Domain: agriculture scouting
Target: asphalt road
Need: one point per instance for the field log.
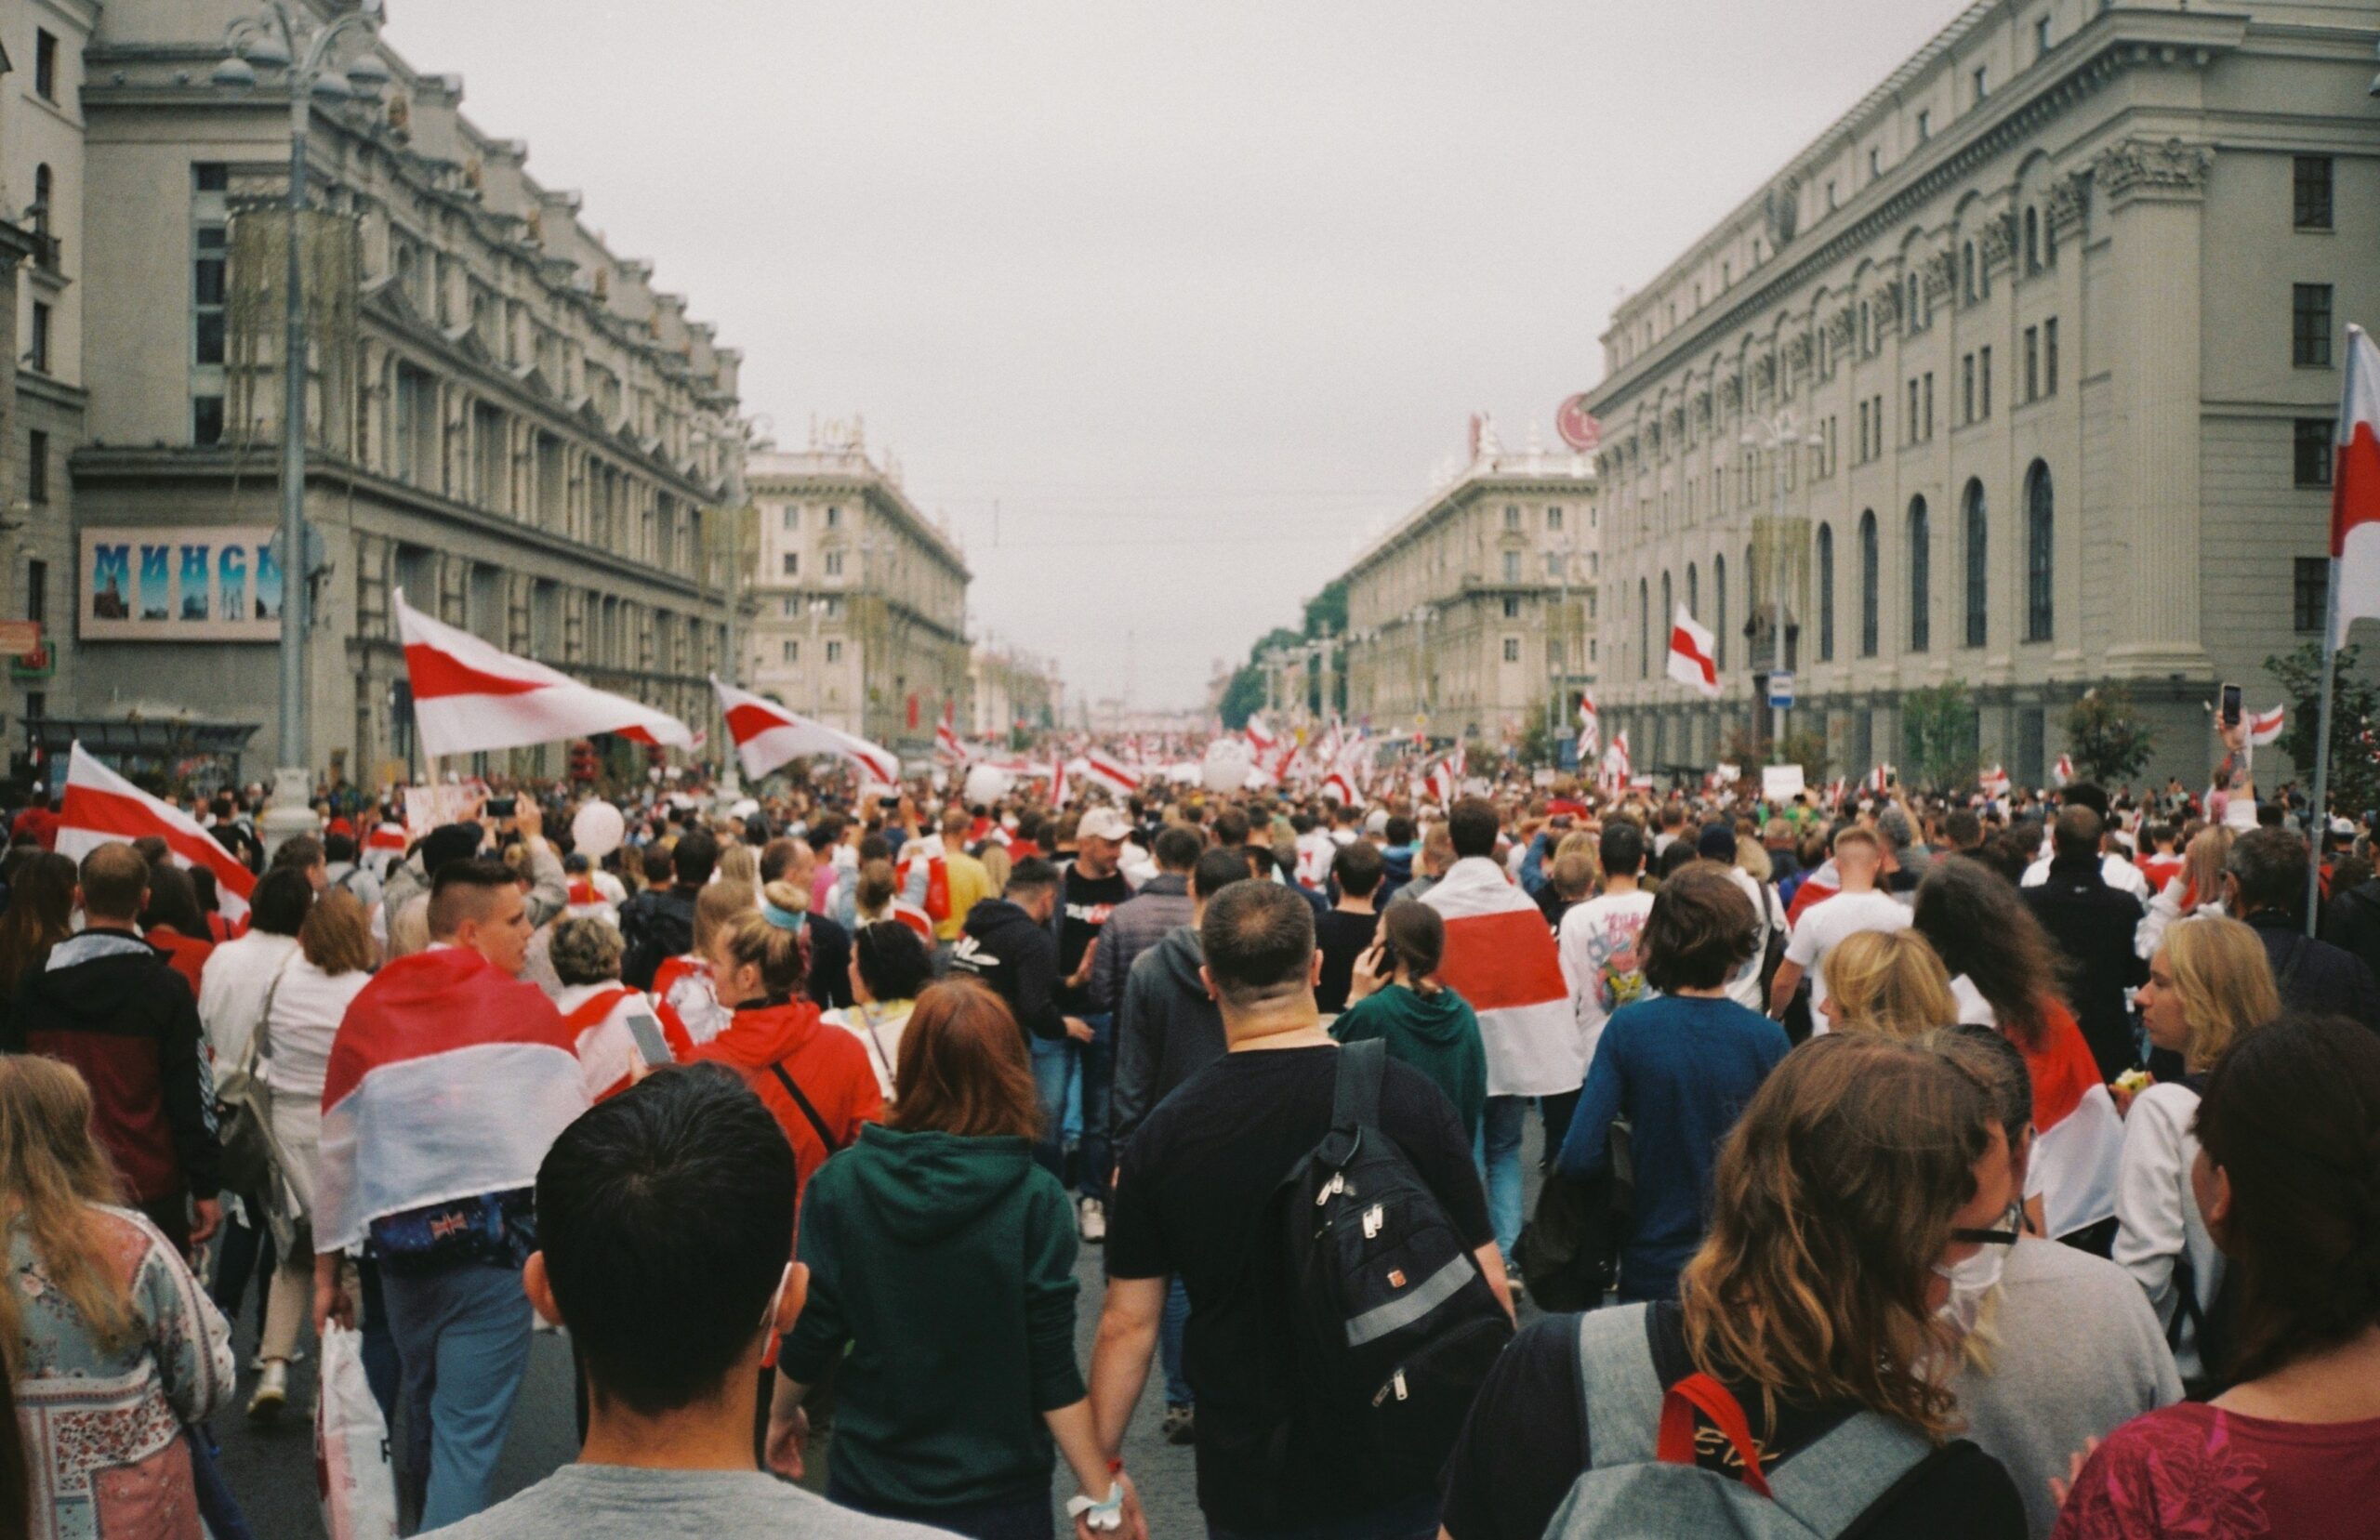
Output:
(271, 1471)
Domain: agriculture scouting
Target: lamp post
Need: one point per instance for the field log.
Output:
(738, 436)
(281, 37)
(1766, 622)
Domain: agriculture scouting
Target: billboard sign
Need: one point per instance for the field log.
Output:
(172, 583)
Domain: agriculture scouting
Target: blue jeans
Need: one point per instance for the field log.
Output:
(1096, 1061)
(1053, 1066)
(1170, 1328)
(1500, 1167)
(462, 1336)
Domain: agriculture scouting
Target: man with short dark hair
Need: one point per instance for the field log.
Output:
(112, 1006)
(1145, 918)
(665, 927)
(1204, 1164)
(1092, 888)
(449, 1081)
(1501, 958)
(664, 1220)
(2264, 884)
(1346, 931)
(2093, 924)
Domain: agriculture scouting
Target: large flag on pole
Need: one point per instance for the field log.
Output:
(469, 696)
(101, 806)
(1694, 654)
(2355, 491)
(767, 735)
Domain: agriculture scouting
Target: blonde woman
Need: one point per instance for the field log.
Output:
(114, 1348)
(683, 985)
(1887, 981)
(2208, 983)
(740, 863)
(2198, 891)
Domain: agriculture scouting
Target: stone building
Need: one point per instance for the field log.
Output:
(1476, 615)
(859, 601)
(2019, 377)
(507, 420)
(1011, 690)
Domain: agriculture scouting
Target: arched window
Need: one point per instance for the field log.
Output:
(1870, 565)
(1826, 593)
(1979, 550)
(2032, 240)
(1921, 577)
(2041, 533)
(1719, 602)
(1644, 631)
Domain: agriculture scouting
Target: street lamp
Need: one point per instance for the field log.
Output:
(1768, 621)
(739, 436)
(282, 37)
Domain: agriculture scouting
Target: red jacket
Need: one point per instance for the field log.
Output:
(188, 953)
(829, 1065)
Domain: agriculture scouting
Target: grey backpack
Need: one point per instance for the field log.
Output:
(1641, 1478)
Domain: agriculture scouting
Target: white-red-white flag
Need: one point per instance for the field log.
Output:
(1340, 787)
(2063, 772)
(1589, 728)
(1615, 760)
(1440, 782)
(2267, 728)
(469, 696)
(1059, 789)
(1994, 782)
(1879, 778)
(947, 741)
(1694, 654)
(1261, 738)
(2354, 488)
(101, 806)
(767, 735)
(1111, 772)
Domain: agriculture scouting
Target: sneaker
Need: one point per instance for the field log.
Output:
(1179, 1426)
(1093, 1216)
(272, 1392)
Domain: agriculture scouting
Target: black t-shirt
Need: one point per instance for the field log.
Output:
(1085, 903)
(1196, 1174)
(1341, 937)
(1524, 1446)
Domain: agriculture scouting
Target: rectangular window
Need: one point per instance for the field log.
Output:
(1910, 423)
(205, 420)
(1554, 519)
(1512, 648)
(44, 65)
(1511, 519)
(1929, 404)
(1983, 379)
(834, 563)
(2310, 325)
(2310, 593)
(834, 517)
(1924, 126)
(2316, 438)
(2032, 362)
(1863, 432)
(1982, 83)
(37, 591)
(1512, 608)
(1966, 389)
(2312, 183)
(1512, 566)
(792, 518)
(2041, 35)
(1553, 566)
(834, 652)
(37, 466)
(37, 348)
(2049, 357)
(792, 564)
(793, 652)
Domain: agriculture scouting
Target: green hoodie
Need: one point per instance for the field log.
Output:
(944, 1266)
(1436, 1033)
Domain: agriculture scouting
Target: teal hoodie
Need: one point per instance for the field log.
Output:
(1436, 1033)
(944, 1266)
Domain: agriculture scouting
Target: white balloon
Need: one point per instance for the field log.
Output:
(597, 829)
(985, 786)
(1226, 766)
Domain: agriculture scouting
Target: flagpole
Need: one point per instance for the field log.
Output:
(2320, 819)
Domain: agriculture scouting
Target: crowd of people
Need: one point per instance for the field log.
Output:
(1924, 1165)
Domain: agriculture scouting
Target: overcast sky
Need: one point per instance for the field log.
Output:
(1196, 295)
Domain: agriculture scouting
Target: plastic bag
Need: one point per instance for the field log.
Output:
(357, 1489)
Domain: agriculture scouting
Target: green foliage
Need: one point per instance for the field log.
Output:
(2107, 735)
(1328, 608)
(1243, 698)
(1804, 748)
(2354, 780)
(1938, 736)
(1537, 748)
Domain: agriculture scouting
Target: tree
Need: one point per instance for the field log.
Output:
(1243, 698)
(2354, 780)
(1538, 748)
(2107, 735)
(1938, 728)
(1806, 748)
(1328, 608)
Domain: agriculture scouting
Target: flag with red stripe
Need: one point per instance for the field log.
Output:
(447, 1079)
(2267, 728)
(2355, 487)
(1694, 654)
(2078, 1149)
(469, 696)
(1111, 772)
(767, 735)
(1501, 959)
(101, 807)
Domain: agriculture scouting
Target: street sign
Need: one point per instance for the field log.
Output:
(1780, 691)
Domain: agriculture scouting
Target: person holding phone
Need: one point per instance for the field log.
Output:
(621, 1036)
(1395, 995)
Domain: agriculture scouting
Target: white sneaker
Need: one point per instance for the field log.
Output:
(272, 1392)
(1093, 1216)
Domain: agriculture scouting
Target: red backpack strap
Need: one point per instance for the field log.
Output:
(1703, 1394)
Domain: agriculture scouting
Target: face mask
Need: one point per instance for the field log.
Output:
(1972, 1280)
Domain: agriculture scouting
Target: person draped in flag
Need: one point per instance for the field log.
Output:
(449, 1081)
(1500, 958)
(596, 1006)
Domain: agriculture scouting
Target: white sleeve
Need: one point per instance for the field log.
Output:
(1803, 949)
(2163, 910)
(2151, 1227)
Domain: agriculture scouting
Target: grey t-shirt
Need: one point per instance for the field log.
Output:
(2075, 1353)
(610, 1502)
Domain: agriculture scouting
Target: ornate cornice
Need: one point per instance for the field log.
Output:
(2171, 171)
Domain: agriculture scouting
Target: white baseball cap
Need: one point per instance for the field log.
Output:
(1104, 823)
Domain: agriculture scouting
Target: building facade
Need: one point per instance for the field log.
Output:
(1476, 615)
(506, 420)
(2019, 378)
(859, 602)
(1010, 691)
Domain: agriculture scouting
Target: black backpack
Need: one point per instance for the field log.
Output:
(1388, 1327)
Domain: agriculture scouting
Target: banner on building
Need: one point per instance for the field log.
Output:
(177, 583)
